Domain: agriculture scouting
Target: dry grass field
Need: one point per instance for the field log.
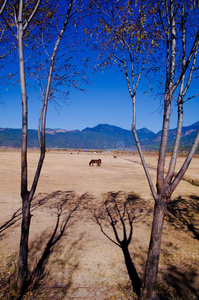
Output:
(81, 262)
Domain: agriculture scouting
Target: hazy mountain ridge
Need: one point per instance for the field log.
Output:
(59, 130)
(102, 136)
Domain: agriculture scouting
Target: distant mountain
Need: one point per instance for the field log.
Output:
(102, 136)
(187, 137)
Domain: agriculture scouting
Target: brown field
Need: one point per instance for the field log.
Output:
(83, 263)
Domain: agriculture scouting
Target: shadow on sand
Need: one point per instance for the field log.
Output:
(64, 204)
(120, 211)
(183, 214)
(37, 202)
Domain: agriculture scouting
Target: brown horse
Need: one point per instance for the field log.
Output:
(95, 161)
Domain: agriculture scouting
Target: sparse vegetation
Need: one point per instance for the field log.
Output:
(83, 263)
(193, 181)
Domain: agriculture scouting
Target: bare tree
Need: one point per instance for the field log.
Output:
(27, 22)
(179, 74)
(133, 36)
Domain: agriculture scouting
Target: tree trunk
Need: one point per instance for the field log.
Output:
(23, 252)
(135, 280)
(151, 268)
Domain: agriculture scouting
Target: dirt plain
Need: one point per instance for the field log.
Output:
(82, 262)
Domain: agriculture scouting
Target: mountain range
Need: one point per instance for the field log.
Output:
(102, 136)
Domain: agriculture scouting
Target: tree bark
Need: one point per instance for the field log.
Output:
(151, 268)
(23, 251)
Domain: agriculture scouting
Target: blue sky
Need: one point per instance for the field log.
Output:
(105, 101)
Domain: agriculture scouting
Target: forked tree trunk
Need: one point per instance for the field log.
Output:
(25, 194)
(23, 252)
(151, 268)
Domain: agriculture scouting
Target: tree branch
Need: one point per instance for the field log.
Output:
(186, 164)
(154, 194)
(191, 72)
(3, 6)
(12, 32)
(2, 56)
(46, 98)
(167, 101)
(32, 15)
(101, 228)
(190, 98)
(131, 228)
(112, 224)
(180, 108)
(194, 48)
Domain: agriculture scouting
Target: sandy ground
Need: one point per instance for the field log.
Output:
(83, 263)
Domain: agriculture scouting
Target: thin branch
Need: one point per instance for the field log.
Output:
(46, 98)
(173, 46)
(191, 72)
(167, 12)
(2, 56)
(65, 222)
(173, 160)
(144, 164)
(160, 15)
(140, 73)
(122, 221)
(112, 224)
(190, 98)
(12, 32)
(186, 164)
(2, 33)
(32, 15)
(3, 6)
(117, 60)
(127, 75)
(131, 228)
(15, 16)
(101, 228)
(45, 47)
(180, 108)
(194, 48)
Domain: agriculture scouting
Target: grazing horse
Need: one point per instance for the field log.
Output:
(95, 161)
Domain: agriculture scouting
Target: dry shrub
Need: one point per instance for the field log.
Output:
(8, 278)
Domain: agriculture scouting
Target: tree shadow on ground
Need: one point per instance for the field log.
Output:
(180, 280)
(65, 204)
(179, 283)
(183, 214)
(15, 217)
(37, 202)
(120, 211)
